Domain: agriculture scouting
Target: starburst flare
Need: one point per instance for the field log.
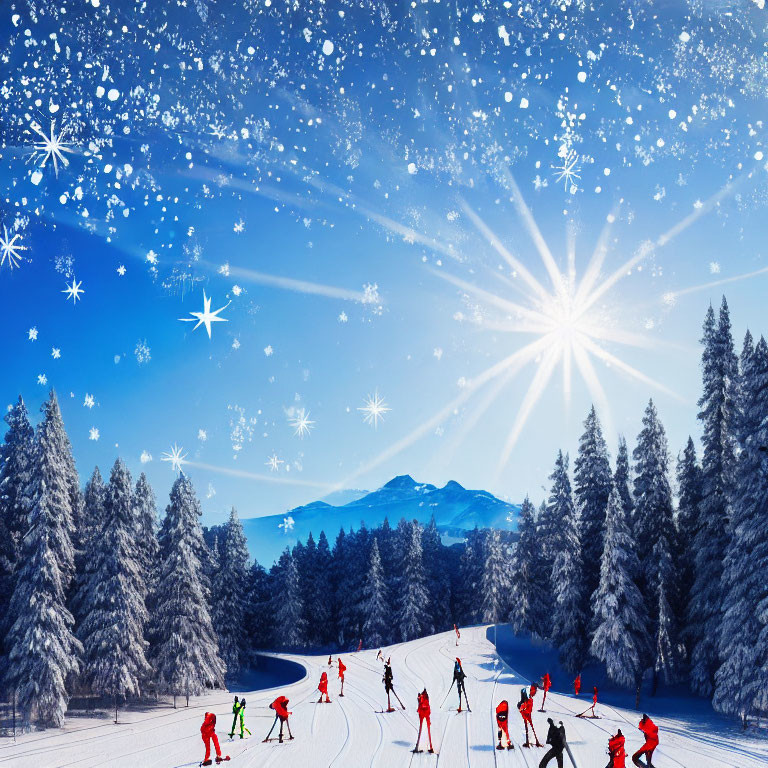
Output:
(206, 317)
(301, 423)
(9, 248)
(52, 146)
(374, 409)
(176, 457)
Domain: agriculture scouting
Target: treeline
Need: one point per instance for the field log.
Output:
(612, 568)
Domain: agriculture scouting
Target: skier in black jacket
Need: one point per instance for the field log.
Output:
(556, 741)
(458, 678)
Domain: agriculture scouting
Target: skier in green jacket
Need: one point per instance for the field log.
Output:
(238, 709)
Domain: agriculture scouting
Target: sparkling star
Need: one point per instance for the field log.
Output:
(176, 456)
(301, 423)
(374, 409)
(51, 147)
(206, 317)
(273, 462)
(9, 249)
(73, 291)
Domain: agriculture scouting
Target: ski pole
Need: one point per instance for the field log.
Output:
(448, 694)
(398, 698)
(469, 709)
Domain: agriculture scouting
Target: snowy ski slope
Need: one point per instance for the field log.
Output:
(349, 733)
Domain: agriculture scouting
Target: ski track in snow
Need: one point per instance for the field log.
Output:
(352, 732)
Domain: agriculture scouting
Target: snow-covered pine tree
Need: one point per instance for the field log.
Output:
(619, 615)
(717, 403)
(42, 651)
(376, 608)
(569, 619)
(185, 653)
(741, 678)
(146, 531)
(114, 614)
(656, 536)
(16, 460)
(529, 586)
(289, 626)
(438, 581)
(258, 618)
(323, 596)
(229, 603)
(623, 481)
(470, 574)
(307, 565)
(413, 603)
(592, 481)
(88, 541)
(494, 585)
(688, 500)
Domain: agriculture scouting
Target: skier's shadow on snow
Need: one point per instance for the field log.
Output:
(401, 743)
(482, 748)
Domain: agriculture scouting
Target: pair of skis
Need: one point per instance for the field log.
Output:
(469, 709)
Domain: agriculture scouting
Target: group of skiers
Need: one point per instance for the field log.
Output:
(556, 737)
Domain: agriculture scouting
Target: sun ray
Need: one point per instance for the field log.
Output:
(715, 283)
(274, 479)
(588, 373)
(619, 274)
(598, 256)
(499, 247)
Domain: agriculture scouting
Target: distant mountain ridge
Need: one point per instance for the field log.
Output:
(456, 510)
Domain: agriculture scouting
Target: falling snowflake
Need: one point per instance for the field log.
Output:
(374, 409)
(55, 353)
(211, 491)
(235, 343)
(301, 423)
(73, 291)
(206, 317)
(51, 147)
(268, 350)
(175, 456)
(568, 171)
(121, 270)
(287, 524)
(237, 290)
(32, 333)
(274, 463)
(9, 249)
(143, 352)
(239, 227)
(145, 457)
(89, 401)
(343, 317)
(42, 379)
(438, 353)
(93, 434)
(202, 435)
(714, 267)
(152, 258)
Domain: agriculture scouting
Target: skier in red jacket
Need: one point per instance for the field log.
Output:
(651, 732)
(526, 708)
(322, 686)
(592, 708)
(342, 669)
(280, 706)
(502, 721)
(616, 751)
(546, 684)
(577, 685)
(458, 634)
(208, 732)
(424, 711)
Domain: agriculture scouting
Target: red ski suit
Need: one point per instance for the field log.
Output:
(424, 711)
(323, 684)
(342, 669)
(208, 732)
(616, 749)
(502, 719)
(546, 682)
(525, 710)
(577, 685)
(279, 705)
(651, 732)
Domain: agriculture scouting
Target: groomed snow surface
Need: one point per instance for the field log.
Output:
(350, 733)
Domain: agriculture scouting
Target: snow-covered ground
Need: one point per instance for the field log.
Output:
(350, 733)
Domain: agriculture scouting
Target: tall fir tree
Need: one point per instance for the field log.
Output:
(688, 505)
(413, 604)
(229, 597)
(146, 532)
(438, 581)
(323, 593)
(655, 534)
(563, 545)
(742, 677)
(494, 585)
(258, 609)
(42, 651)
(470, 575)
(114, 613)
(619, 614)
(290, 628)
(623, 481)
(185, 654)
(592, 482)
(376, 606)
(529, 609)
(717, 404)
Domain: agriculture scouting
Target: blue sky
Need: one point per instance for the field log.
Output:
(366, 181)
